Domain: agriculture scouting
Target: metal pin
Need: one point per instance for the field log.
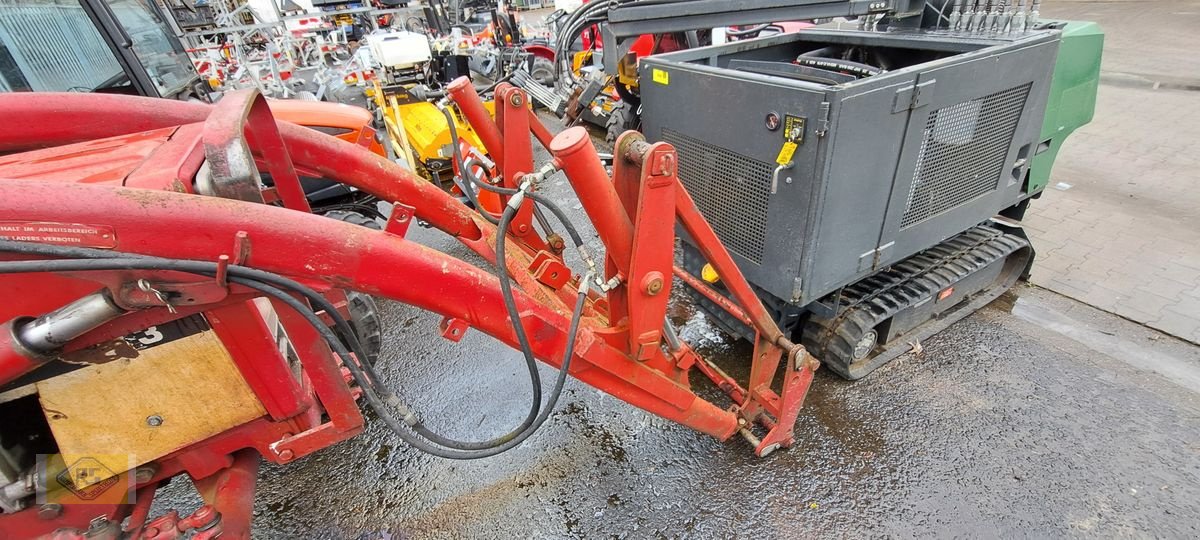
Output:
(147, 287)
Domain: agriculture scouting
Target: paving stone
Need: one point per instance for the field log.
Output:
(1163, 287)
(1148, 303)
(1178, 324)
(1177, 272)
(1126, 236)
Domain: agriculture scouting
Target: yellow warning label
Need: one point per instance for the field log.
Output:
(661, 77)
(786, 153)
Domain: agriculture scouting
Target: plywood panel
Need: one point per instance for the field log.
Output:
(189, 382)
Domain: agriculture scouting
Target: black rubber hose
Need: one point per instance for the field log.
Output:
(516, 436)
(748, 31)
(832, 64)
(465, 186)
(130, 261)
(542, 200)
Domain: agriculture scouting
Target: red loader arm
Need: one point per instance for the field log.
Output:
(624, 344)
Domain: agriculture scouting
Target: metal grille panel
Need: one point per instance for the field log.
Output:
(731, 190)
(963, 153)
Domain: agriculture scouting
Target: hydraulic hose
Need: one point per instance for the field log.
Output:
(748, 31)
(833, 64)
(365, 377)
(465, 186)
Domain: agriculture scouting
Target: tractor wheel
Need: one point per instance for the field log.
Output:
(542, 71)
(353, 217)
(620, 120)
(364, 320)
(364, 313)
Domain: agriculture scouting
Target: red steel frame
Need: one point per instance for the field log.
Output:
(620, 348)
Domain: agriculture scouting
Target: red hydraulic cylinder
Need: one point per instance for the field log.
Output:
(577, 156)
(463, 93)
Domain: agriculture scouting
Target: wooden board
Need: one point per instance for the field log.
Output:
(105, 410)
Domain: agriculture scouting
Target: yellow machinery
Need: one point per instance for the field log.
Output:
(417, 130)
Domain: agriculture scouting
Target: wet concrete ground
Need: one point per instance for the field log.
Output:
(1037, 416)
(1006, 426)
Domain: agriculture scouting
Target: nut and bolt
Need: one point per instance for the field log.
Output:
(154, 420)
(515, 99)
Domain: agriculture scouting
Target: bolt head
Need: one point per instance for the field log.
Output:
(286, 454)
(154, 420)
(50, 511)
(144, 474)
(652, 283)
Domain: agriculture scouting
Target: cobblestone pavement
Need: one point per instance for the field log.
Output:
(1125, 235)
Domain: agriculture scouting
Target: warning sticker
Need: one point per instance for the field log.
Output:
(786, 153)
(660, 76)
(62, 234)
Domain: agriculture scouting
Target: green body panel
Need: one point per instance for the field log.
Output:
(1072, 99)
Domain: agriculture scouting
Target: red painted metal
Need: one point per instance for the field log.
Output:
(245, 334)
(511, 106)
(462, 91)
(14, 359)
(574, 152)
(230, 494)
(653, 251)
(620, 347)
(243, 116)
(327, 254)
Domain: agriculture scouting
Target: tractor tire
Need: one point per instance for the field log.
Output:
(364, 313)
(355, 218)
(842, 341)
(620, 120)
(364, 320)
(542, 71)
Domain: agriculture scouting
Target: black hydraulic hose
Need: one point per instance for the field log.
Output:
(464, 185)
(822, 52)
(495, 83)
(576, 238)
(576, 23)
(833, 64)
(748, 31)
(519, 435)
(132, 261)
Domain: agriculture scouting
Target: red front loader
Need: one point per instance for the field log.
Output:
(165, 313)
